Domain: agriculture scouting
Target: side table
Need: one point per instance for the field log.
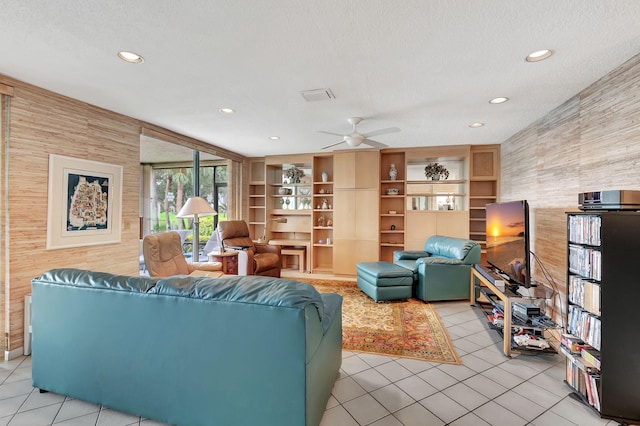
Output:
(229, 260)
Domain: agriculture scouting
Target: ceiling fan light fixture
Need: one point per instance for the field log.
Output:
(132, 58)
(499, 100)
(539, 55)
(354, 140)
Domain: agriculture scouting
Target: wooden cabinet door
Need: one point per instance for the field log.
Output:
(355, 230)
(344, 253)
(367, 170)
(484, 164)
(356, 170)
(344, 213)
(423, 224)
(344, 170)
(366, 214)
(453, 224)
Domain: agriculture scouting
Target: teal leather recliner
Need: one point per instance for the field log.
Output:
(188, 350)
(442, 270)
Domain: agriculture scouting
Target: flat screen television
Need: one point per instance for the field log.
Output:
(507, 234)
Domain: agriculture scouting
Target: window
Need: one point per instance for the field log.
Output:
(172, 185)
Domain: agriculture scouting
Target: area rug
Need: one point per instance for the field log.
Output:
(406, 328)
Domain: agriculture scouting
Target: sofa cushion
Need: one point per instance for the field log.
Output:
(258, 290)
(100, 280)
(411, 265)
(449, 247)
(409, 255)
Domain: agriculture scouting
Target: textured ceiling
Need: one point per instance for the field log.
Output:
(428, 67)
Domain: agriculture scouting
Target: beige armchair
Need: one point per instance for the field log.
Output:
(163, 258)
(253, 258)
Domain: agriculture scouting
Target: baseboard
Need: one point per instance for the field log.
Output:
(9, 355)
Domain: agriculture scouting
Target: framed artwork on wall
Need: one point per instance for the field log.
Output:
(84, 203)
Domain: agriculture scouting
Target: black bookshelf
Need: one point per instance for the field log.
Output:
(603, 295)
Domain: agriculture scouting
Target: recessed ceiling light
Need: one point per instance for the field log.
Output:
(476, 125)
(227, 111)
(274, 138)
(499, 100)
(540, 55)
(131, 57)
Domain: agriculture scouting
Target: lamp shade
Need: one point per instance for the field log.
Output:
(196, 206)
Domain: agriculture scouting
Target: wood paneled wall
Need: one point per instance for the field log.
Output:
(44, 123)
(591, 142)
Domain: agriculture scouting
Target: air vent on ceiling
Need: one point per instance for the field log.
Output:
(317, 95)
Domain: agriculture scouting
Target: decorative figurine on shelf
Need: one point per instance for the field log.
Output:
(329, 222)
(393, 172)
(294, 174)
(321, 191)
(325, 204)
(434, 171)
(321, 220)
(325, 177)
(393, 227)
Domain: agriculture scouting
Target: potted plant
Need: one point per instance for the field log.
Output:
(294, 174)
(434, 171)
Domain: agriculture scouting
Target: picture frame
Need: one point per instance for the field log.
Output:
(84, 203)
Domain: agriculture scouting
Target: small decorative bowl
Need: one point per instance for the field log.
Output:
(393, 191)
(305, 191)
(392, 212)
(282, 191)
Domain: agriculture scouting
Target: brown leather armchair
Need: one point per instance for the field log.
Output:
(163, 258)
(253, 258)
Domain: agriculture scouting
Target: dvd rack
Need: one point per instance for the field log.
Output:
(601, 298)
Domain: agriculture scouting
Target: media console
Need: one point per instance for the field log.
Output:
(504, 296)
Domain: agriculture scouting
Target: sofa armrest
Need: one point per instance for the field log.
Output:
(204, 266)
(267, 248)
(439, 261)
(246, 263)
(409, 254)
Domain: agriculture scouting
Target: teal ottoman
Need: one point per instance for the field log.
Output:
(384, 280)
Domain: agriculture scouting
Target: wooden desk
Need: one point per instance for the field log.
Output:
(296, 243)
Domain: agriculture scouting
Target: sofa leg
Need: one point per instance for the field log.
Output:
(43, 391)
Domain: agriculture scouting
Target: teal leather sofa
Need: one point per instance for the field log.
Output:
(188, 350)
(442, 270)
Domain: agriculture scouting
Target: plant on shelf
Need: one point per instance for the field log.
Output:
(434, 171)
(294, 174)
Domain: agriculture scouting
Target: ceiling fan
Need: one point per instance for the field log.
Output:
(355, 139)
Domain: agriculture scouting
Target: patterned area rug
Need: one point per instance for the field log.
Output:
(405, 328)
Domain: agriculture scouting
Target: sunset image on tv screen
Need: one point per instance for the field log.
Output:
(507, 220)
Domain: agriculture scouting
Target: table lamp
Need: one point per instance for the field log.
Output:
(195, 207)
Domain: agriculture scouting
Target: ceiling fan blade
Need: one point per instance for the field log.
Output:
(374, 144)
(330, 133)
(381, 132)
(333, 144)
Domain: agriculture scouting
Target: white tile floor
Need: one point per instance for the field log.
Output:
(376, 390)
